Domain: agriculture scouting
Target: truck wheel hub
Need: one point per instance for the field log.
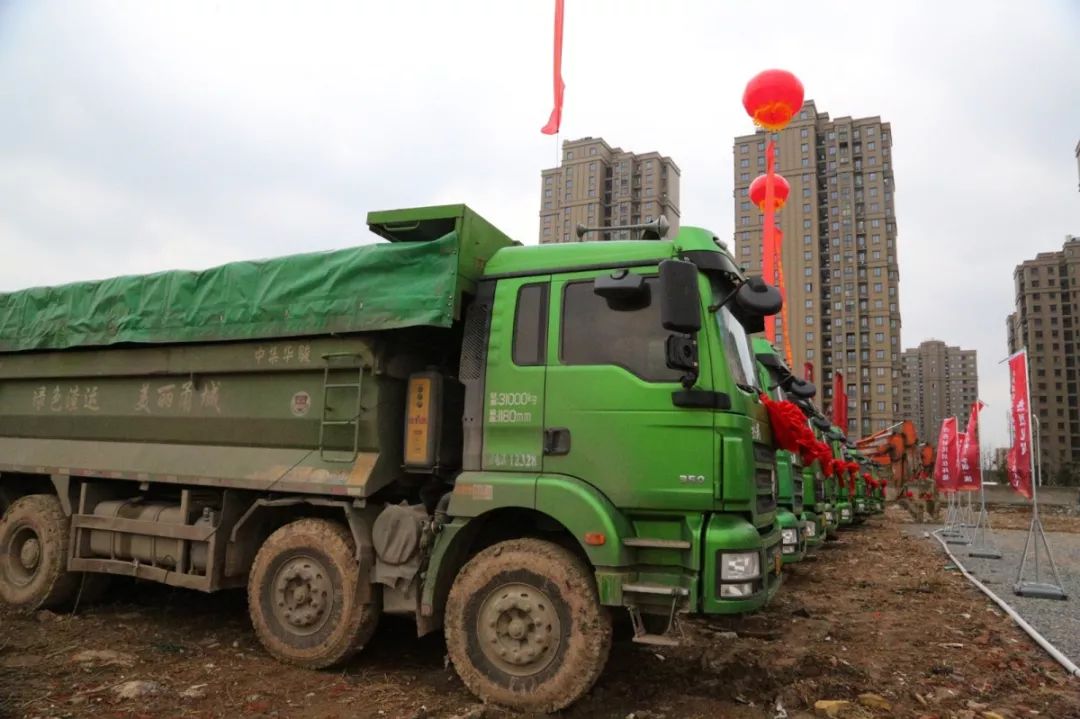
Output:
(519, 629)
(30, 554)
(302, 592)
(23, 556)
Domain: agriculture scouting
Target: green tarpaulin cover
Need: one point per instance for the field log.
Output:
(360, 289)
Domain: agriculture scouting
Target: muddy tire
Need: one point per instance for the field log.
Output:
(302, 595)
(33, 554)
(525, 628)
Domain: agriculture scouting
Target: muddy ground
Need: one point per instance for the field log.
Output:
(876, 612)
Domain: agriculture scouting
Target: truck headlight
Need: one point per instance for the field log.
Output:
(845, 513)
(811, 529)
(740, 565)
(735, 591)
(829, 517)
(789, 536)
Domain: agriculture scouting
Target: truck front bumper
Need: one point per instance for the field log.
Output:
(742, 566)
(844, 514)
(814, 529)
(792, 539)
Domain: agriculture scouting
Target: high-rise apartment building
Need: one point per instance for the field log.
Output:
(939, 381)
(1047, 322)
(600, 186)
(839, 255)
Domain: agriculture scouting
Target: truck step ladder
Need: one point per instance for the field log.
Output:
(671, 636)
(335, 363)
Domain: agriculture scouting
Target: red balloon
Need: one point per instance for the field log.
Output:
(772, 98)
(781, 190)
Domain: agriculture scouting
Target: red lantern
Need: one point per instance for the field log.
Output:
(781, 190)
(772, 98)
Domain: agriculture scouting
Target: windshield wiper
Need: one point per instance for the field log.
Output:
(746, 388)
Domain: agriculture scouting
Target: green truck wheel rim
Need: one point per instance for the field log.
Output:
(303, 595)
(519, 629)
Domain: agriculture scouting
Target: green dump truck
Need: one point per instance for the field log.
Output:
(509, 443)
(796, 528)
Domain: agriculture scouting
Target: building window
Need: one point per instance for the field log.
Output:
(744, 162)
(569, 154)
(804, 132)
(743, 149)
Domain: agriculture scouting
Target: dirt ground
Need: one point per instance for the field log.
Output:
(1054, 518)
(876, 612)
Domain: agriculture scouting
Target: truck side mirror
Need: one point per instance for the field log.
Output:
(620, 286)
(800, 388)
(680, 303)
(757, 297)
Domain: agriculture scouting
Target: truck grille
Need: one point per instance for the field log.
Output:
(766, 499)
(819, 489)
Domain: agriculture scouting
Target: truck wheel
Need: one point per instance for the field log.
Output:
(302, 595)
(524, 626)
(33, 554)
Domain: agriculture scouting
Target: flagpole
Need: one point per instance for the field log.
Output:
(981, 544)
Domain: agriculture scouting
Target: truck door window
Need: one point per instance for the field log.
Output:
(595, 334)
(530, 325)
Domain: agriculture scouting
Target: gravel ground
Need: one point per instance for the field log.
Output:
(1058, 621)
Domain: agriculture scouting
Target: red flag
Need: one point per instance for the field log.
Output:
(555, 120)
(839, 401)
(945, 463)
(808, 371)
(970, 469)
(1020, 458)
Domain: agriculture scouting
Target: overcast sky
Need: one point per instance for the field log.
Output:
(140, 136)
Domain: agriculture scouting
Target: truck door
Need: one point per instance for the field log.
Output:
(514, 383)
(609, 416)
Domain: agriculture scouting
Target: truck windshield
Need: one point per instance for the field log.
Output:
(733, 337)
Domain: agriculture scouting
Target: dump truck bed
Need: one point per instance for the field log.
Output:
(434, 256)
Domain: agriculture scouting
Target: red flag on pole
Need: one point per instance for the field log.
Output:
(970, 468)
(839, 401)
(1020, 460)
(553, 123)
(945, 463)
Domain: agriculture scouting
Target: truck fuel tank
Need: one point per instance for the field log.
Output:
(158, 551)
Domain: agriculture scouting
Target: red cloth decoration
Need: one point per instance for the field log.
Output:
(908, 494)
(789, 428)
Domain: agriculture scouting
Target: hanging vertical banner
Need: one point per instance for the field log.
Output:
(554, 122)
(945, 462)
(1019, 461)
(839, 401)
(970, 467)
(808, 371)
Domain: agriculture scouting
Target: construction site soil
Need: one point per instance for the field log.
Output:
(878, 623)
